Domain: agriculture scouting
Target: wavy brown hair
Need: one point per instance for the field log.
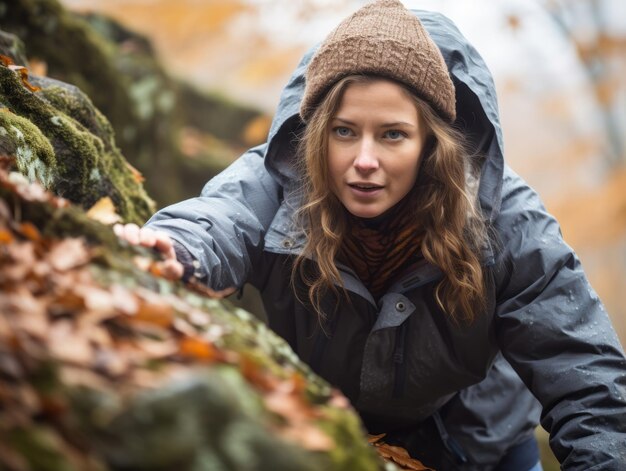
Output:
(452, 231)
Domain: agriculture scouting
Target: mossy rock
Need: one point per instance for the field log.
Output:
(147, 109)
(62, 141)
(222, 392)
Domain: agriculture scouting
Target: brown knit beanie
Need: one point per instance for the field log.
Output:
(382, 38)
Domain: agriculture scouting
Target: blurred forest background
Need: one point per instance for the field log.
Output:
(559, 65)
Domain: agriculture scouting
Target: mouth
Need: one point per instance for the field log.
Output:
(367, 187)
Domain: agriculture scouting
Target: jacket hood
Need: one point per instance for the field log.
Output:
(477, 113)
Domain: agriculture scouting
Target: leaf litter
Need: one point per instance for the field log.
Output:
(53, 311)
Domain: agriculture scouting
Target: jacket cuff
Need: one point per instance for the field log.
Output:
(190, 264)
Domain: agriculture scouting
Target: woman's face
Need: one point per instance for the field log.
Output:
(374, 145)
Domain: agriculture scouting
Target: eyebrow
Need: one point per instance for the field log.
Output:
(385, 125)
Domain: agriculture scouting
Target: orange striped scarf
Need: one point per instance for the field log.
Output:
(382, 249)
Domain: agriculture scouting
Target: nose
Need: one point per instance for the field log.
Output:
(366, 160)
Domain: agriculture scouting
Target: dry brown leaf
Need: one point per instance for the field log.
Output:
(104, 211)
(255, 374)
(6, 330)
(156, 349)
(29, 231)
(124, 300)
(97, 335)
(197, 349)
(89, 322)
(75, 376)
(182, 326)
(68, 254)
(109, 361)
(400, 457)
(26, 313)
(23, 73)
(154, 311)
(67, 344)
(64, 301)
(22, 255)
(137, 176)
(95, 298)
(6, 236)
(371, 439)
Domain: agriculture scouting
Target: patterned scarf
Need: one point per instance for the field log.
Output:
(381, 249)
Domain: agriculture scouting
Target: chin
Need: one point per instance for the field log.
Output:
(365, 213)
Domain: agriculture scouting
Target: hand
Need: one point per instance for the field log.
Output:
(169, 267)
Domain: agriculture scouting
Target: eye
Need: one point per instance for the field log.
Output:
(394, 135)
(342, 131)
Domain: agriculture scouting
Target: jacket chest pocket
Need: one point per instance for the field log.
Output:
(415, 361)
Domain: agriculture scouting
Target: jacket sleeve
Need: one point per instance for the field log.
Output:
(223, 229)
(556, 334)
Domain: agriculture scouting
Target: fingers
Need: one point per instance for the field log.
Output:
(164, 244)
(127, 232)
(171, 269)
(146, 237)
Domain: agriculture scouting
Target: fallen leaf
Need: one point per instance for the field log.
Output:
(371, 439)
(124, 300)
(197, 349)
(6, 60)
(95, 298)
(68, 254)
(65, 343)
(155, 311)
(25, 313)
(400, 457)
(156, 349)
(22, 254)
(137, 176)
(111, 362)
(6, 236)
(29, 231)
(104, 211)
(23, 73)
(181, 325)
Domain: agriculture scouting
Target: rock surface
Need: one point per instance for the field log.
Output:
(106, 365)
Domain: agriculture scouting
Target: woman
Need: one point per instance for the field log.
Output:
(405, 262)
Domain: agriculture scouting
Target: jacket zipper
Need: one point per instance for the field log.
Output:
(398, 361)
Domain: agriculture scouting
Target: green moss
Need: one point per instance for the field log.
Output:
(88, 164)
(343, 426)
(34, 154)
(73, 51)
(41, 447)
